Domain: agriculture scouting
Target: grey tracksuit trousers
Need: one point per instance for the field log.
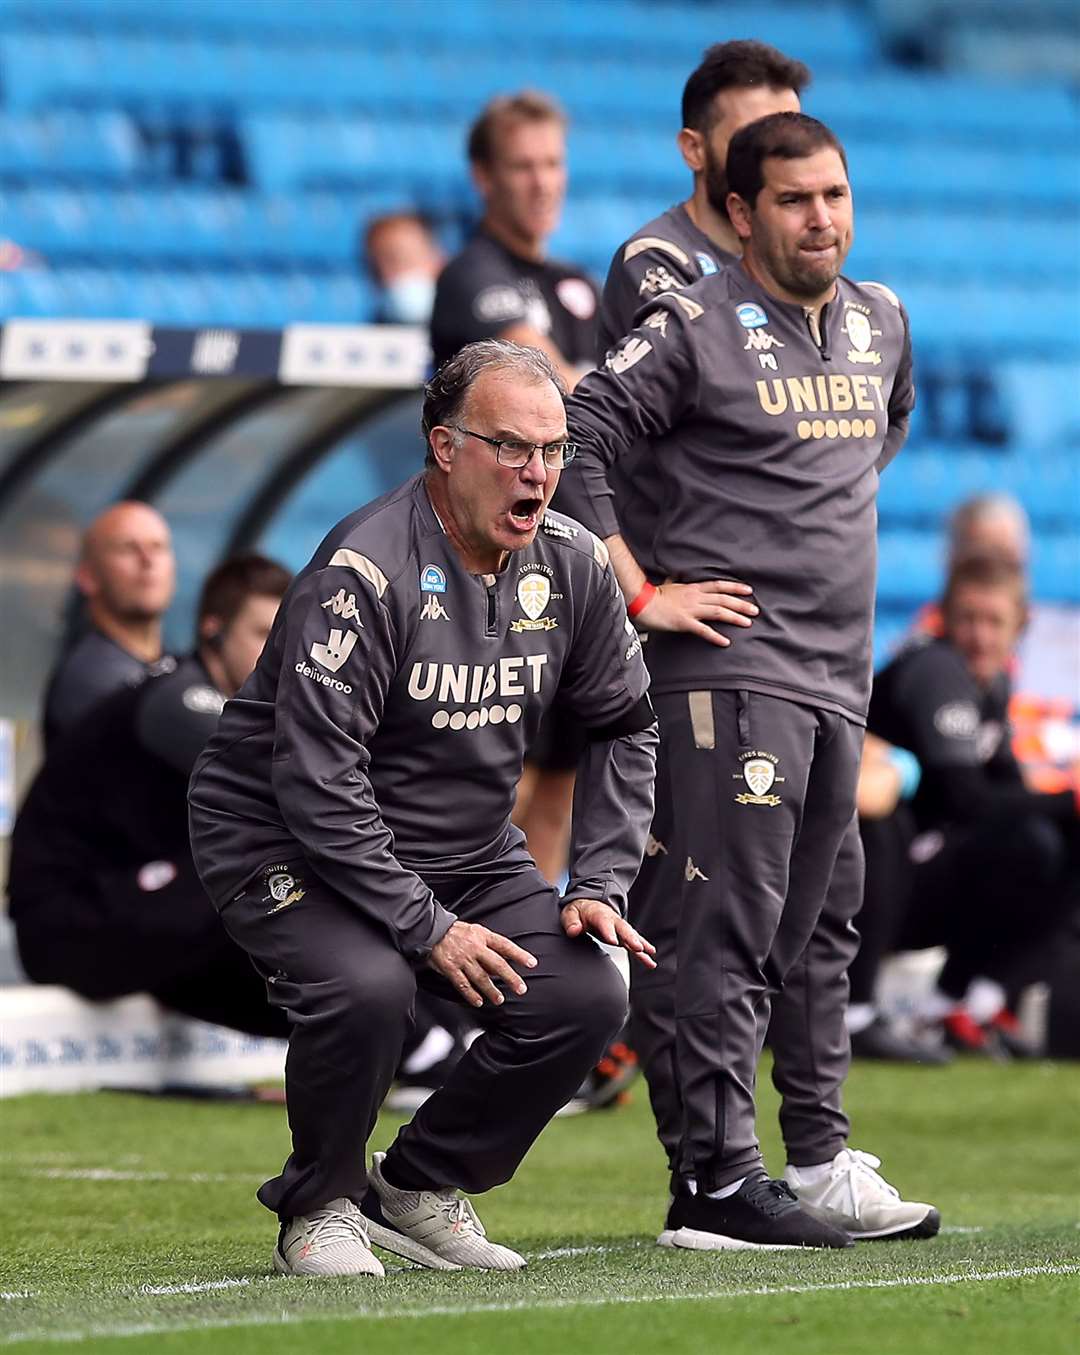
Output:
(748, 890)
(349, 994)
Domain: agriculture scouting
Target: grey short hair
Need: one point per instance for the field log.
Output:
(445, 394)
(967, 517)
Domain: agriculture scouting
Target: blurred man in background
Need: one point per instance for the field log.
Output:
(403, 257)
(103, 892)
(127, 575)
(986, 867)
(504, 285)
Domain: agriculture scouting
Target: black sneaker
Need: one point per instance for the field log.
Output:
(881, 1040)
(676, 1216)
(761, 1214)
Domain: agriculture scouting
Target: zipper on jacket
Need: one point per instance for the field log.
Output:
(816, 325)
(490, 584)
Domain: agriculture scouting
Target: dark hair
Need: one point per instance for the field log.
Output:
(504, 110)
(230, 585)
(984, 569)
(737, 65)
(445, 394)
(789, 136)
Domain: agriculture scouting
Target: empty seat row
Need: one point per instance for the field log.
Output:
(190, 224)
(194, 297)
(838, 35)
(911, 567)
(928, 483)
(68, 141)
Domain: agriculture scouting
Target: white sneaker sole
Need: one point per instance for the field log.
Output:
(667, 1238)
(402, 1245)
(691, 1239)
(283, 1268)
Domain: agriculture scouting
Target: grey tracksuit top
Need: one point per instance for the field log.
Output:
(768, 439)
(382, 733)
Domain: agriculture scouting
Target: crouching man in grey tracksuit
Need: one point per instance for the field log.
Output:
(351, 821)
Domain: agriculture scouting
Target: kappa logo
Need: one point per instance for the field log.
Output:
(344, 606)
(761, 341)
(284, 890)
(656, 279)
(858, 329)
(622, 359)
(693, 872)
(654, 847)
(335, 651)
(759, 774)
(433, 610)
(658, 320)
(533, 595)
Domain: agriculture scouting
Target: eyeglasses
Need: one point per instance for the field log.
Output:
(509, 452)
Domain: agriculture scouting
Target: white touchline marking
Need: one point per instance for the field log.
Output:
(557, 1252)
(112, 1174)
(959, 1228)
(191, 1288)
(25, 1294)
(281, 1317)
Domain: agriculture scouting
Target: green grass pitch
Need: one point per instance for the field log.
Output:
(129, 1224)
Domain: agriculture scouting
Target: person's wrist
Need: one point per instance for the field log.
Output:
(644, 597)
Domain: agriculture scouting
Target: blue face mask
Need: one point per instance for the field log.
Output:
(408, 299)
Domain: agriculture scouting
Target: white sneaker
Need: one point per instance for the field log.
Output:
(436, 1228)
(331, 1241)
(854, 1197)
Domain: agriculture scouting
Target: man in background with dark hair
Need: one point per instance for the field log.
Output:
(127, 574)
(718, 379)
(104, 896)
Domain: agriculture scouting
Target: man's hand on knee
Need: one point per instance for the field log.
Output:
(472, 958)
(590, 915)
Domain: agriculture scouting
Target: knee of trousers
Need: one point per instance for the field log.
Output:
(374, 1001)
(604, 1005)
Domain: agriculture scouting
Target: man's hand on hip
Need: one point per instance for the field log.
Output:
(688, 606)
(472, 958)
(590, 915)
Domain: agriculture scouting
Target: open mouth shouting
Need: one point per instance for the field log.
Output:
(525, 513)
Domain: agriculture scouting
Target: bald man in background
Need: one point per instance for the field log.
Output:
(127, 574)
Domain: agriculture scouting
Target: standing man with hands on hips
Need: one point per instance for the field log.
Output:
(372, 758)
(735, 84)
(770, 395)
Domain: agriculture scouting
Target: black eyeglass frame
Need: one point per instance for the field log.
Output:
(566, 450)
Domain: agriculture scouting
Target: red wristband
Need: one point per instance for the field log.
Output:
(648, 592)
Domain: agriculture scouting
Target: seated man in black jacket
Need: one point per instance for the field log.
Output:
(103, 892)
(990, 868)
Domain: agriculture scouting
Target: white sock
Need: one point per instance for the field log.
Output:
(725, 1191)
(810, 1176)
(432, 1049)
(936, 1005)
(984, 999)
(859, 1016)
